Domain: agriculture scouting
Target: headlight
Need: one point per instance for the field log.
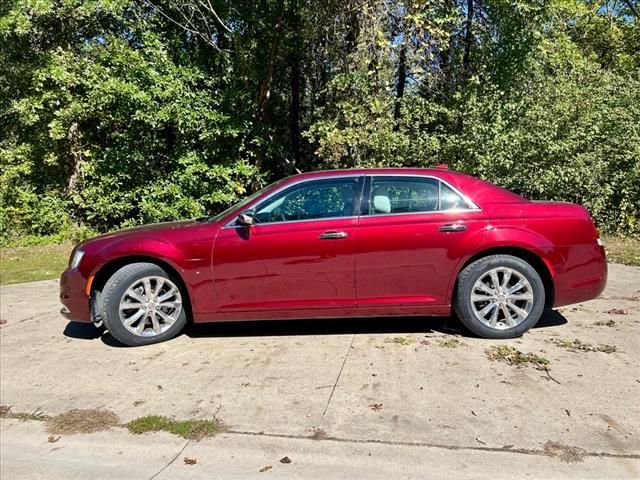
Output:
(77, 258)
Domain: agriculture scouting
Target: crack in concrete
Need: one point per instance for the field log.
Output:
(22, 320)
(155, 475)
(523, 451)
(344, 361)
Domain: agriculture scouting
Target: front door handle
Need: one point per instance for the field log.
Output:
(332, 235)
(453, 227)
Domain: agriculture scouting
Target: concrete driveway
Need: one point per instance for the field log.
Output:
(399, 398)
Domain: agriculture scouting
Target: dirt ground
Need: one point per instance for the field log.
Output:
(394, 387)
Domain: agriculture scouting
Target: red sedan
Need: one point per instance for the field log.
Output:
(344, 243)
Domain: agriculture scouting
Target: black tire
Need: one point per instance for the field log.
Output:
(476, 270)
(113, 292)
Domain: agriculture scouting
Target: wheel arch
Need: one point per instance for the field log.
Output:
(528, 256)
(107, 270)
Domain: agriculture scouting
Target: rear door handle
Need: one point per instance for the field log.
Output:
(453, 227)
(333, 235)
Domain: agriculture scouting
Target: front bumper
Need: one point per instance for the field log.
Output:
(72, 295)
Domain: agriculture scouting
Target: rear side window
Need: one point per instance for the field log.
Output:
(390, 195)
(449, 199)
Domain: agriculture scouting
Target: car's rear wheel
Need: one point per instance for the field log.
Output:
(499, 296)
(141, 304)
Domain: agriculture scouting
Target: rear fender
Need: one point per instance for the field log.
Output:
(504, 237)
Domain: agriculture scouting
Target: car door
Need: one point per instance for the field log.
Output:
(298, 254)
(411, 236)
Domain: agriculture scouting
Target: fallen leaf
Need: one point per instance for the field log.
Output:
(564, 452)
(266, 468)
(53, 439)
(507, 446)
(2, 321)
(376, 407)
(285, 460)
(190, 461)
(618, 311)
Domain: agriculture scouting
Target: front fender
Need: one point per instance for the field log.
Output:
(144, 247)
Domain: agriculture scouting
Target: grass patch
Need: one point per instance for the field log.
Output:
(28, 264)
(450, 343)
(579, 346)
(403, 340)
(602, 323)
(318, 434)
(623, 250)
(37, 414)
(190, 429)
(513, 356)
(82, 421)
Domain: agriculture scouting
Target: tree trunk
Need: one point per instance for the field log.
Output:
(294, 111)
(632, 7)
(264, 92)
(402, 80)
(468, 40)
(75, 156)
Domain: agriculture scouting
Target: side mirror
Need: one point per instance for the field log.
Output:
(246, 218)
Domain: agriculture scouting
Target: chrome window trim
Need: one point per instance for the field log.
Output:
(295, 184)
(472, 207)
(453, 210)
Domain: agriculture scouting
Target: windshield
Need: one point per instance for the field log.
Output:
(243, 202)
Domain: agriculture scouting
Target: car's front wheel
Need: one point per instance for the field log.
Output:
(499, 296)
(141, 304)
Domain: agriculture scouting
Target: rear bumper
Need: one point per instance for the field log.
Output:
(72, 296)
(585, 277)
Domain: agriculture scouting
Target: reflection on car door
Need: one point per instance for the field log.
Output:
(407, 248)
(299, 254)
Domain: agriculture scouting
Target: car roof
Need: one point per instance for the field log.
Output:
(372, 171)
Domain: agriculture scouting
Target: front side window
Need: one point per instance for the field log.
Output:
(311, 200)
(411, 195)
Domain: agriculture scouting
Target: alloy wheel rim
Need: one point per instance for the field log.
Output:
(150, 306)
(502, 298)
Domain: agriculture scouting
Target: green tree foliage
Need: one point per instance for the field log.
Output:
(115, 113)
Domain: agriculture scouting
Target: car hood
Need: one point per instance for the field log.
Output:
(154, 229)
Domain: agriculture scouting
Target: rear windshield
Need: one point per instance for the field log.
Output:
(484, 192)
